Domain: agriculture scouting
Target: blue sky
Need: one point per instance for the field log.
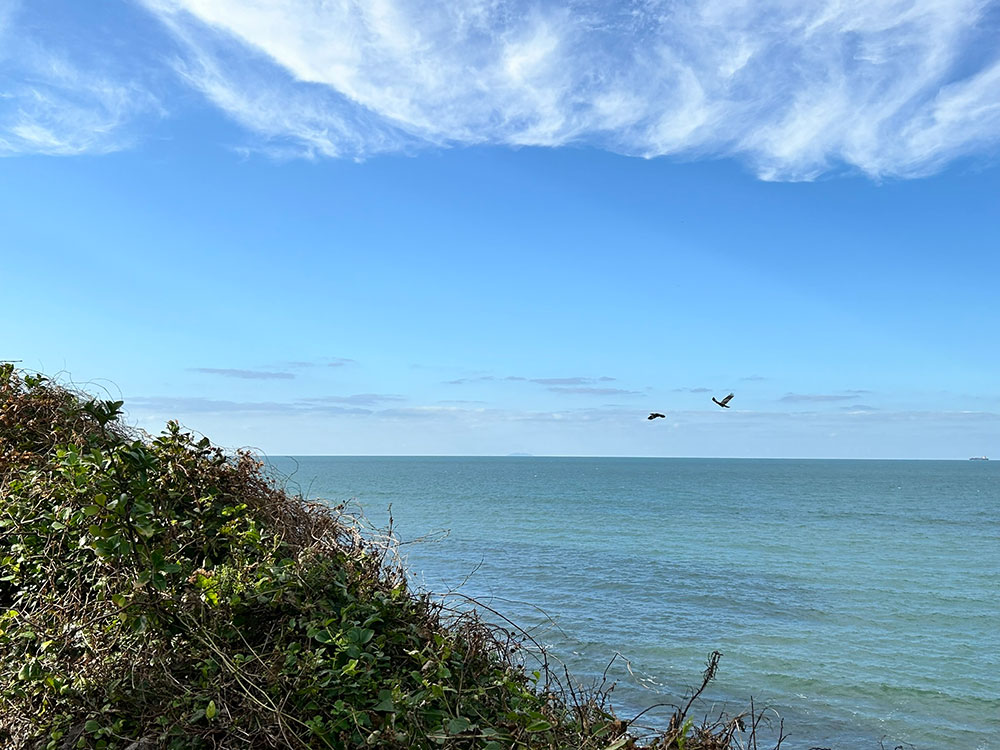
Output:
(496, 227)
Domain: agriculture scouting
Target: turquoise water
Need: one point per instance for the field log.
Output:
(859, 600)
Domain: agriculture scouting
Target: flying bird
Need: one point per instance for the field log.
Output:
(725, 402)
(655, 414)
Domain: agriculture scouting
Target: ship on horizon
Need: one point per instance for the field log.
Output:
(979, 458)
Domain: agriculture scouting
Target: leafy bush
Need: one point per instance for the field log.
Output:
(158, 589)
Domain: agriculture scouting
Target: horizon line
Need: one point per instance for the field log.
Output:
(533, 455)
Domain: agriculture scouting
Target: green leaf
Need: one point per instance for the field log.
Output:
(360, 635)
(538, 726)
(619, 743)
(210, 710)
(385, 703)
(91, 726)
(458, 725)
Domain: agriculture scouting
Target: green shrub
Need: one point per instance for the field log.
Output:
(159, 589)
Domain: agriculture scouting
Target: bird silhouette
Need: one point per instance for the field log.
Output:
(654, 415)
(725, 402)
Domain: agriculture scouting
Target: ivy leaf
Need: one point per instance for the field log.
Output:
(385, 703)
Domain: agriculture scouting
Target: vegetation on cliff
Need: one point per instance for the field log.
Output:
(157, 592)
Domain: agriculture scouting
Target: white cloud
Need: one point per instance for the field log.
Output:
(963, 115)
(49, 104)
(889, 87)
(297, 119)
(797, 90)
(227, 372)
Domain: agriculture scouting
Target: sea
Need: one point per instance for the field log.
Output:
(856, 602)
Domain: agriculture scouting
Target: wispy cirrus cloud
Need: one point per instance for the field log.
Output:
(486, 416)
(796, 90)
(593, 391)
(897, 87)
(819, 398)
(486, 379)
(576, 385)
(327, 362)
(65, 111)
(354, 404)
(56, 103)
(294, 116)
(575, 380)
(357, 399)
(942, 416)
(571, 381)
(198, 405)
(227, 372)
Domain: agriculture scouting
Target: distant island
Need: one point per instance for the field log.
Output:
(511, 455)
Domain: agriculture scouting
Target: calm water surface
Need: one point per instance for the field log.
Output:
(858, 599)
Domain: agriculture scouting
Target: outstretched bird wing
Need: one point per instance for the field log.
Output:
(727, 399)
